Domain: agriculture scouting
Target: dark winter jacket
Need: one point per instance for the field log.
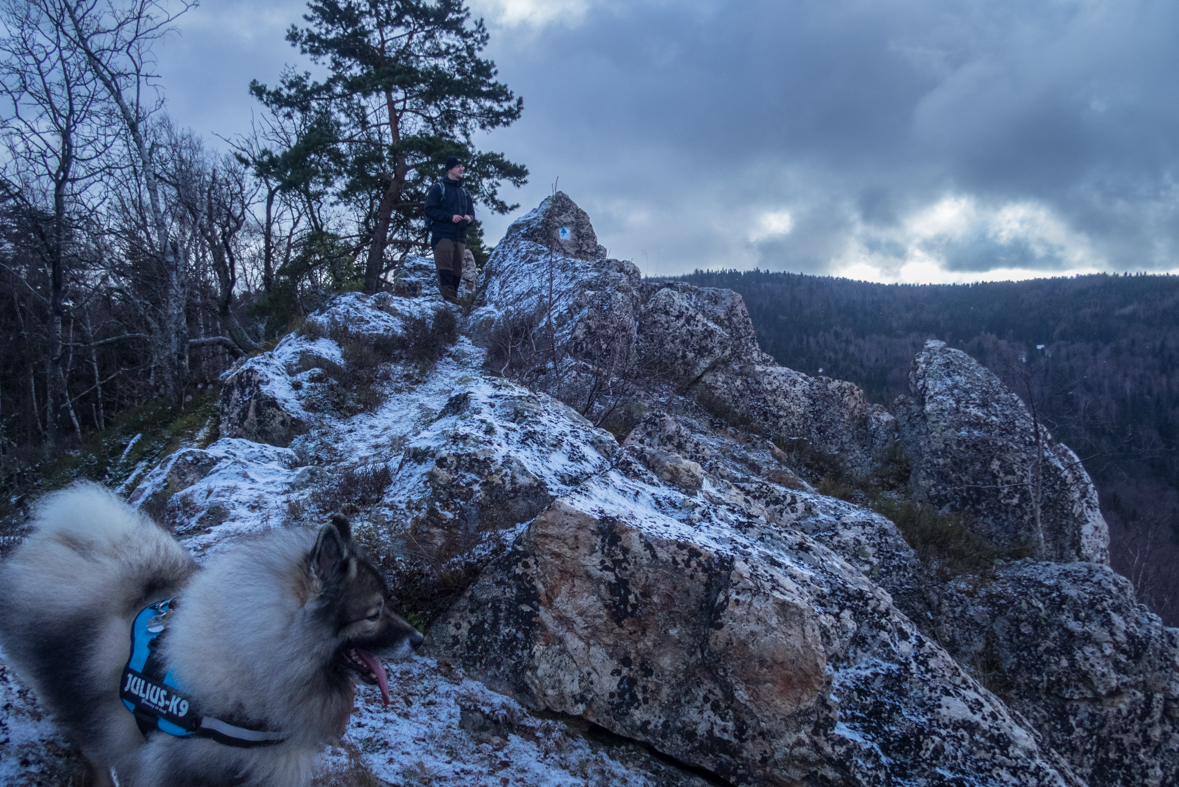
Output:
(444, 200)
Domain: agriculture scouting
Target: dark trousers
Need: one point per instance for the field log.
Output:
(448, 260)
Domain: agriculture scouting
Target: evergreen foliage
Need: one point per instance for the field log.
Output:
(406, 89)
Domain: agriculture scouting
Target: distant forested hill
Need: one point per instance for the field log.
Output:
(1098, 356)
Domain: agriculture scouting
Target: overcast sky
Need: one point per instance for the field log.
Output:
(886, 140)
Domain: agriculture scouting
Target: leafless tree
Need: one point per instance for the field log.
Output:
(212, 196)
(57, 139)
(116, 40)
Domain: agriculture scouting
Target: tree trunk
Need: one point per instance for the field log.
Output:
(174, 364)
(268, 240)
(375, 265)
(56, 397)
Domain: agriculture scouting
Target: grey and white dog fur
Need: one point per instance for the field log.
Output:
(272, 631)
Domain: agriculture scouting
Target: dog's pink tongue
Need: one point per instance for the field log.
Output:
(378, 669)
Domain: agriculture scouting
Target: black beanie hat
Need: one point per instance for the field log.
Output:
(451, 163)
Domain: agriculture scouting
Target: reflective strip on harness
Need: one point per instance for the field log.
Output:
(237, 736)
(161, 703)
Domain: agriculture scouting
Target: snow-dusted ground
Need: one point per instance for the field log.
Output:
(442, 728)
(473, 456)
(245, 487)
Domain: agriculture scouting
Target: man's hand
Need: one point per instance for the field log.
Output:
(468, 219)
(456, 218)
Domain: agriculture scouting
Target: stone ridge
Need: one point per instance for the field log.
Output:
(977, 448)
(678, 581)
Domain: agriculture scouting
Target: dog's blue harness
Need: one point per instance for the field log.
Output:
(159, 702)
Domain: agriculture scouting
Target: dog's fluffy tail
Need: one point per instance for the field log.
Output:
(87, 544)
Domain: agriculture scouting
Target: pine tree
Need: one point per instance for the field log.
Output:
(406, 88)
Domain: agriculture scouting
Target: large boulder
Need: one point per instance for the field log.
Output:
(212, 495)
(976, 448)
(684, 331)
(1068, 647)
(728, 643)
(703, 339)
(553, 249)
(832, 419)
(559, 224)
(491, 459)
(725, 472)
(258, 404)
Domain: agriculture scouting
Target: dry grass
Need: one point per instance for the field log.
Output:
(353, 489)
(356, 385)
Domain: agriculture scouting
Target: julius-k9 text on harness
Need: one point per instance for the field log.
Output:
(157, 698)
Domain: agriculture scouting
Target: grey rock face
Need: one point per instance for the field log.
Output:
(558, 223)
(416, 277)
(181, 470)
(975, 449)
(480, 469)
(253, 410)
(594, 302)
(703, 338)
(729, 643)
(684, 331)
(1068, 647)
(773, 496)
(831, 416)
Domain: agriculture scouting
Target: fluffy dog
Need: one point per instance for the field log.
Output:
(263, 642)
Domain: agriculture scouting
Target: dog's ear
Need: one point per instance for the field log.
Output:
(343, 525)
(330, 553)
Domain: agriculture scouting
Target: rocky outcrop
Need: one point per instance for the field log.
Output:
(209, 495)
(703, 340)
(678, 453)
(688, 592)
(977, 449)
(485, 465)
(685, 331)
(832, 418)
(728, 643)
(559, 224)
(595, 300)
(255, 405)
(1068, 647)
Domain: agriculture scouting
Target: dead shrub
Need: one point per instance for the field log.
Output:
(514, 344)
(426, 341)
(368, 358)
(355, 774)
(310, 330)
(726, 411)
(353, 489)
(818, 467)
(944, 541)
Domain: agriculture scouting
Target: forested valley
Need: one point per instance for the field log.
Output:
(1097, 357)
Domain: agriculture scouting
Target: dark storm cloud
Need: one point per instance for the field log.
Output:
(677, 126)
(977, 253)
(842, 105)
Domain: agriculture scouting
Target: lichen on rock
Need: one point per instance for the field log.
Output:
(976, 448)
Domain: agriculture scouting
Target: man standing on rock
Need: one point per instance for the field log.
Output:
(450, 211)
